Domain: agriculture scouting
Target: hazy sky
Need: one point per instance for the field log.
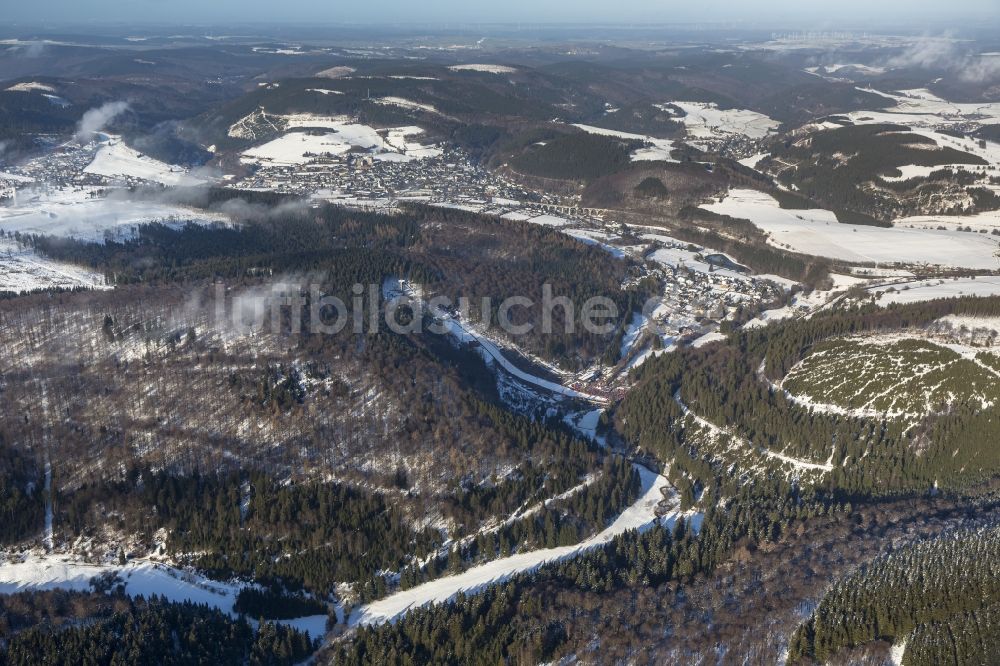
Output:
(801, 12)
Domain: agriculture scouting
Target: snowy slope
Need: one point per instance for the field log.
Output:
(597, 238)
(116, 160)
(23, 270)
(920, 108)
(300, 147)
(409, 104)
(706, 122)
(31, 86)
(492, 354)
(141, 577)
(655, 149)
(926, 290)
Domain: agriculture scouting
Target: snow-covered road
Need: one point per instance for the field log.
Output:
(640, 516)
(467, 334)
(491, 352)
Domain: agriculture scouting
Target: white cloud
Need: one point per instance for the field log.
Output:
(97, 119)
(946, 54)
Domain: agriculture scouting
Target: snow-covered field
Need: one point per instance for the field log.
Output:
(81, 213)
(23, 270)
(920, 108)
(141, 577)
(655, 149)
(971, 323)
(31, 86)
(926, 290)
(488, 69)
(399, 139)
(116, 160)
(910, 171)
(818, 232)
(298, 146)
(851, 68)
(597, 238)
(706, 122)
(404, 103)
(338, 72)
(753, 160)
(640, 516)
(544, 219)
(986, 220)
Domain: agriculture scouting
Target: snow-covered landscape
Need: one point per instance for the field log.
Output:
(304, 144)
(926, 290)
(818, 232)
(489, 69)
(705, 122)
(87, 214)
(659, 150)
(23, 270)
(28, 572)
(921, 108)
(116, 160)
(299, 333)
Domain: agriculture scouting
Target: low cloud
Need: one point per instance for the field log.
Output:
(981, 69)
(97, 119)
(945, 54)
(240, 210)
(236, 209)
(28, 49)
(198, 196)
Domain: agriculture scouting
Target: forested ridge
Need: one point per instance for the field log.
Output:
(513, 621)
(449, 252)
(725, 384)
(842, 169)
(558, 522)
(941, 597)
(305, 535)
(314, 535)
(579, 156)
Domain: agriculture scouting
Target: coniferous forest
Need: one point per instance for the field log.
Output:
(72, 628)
